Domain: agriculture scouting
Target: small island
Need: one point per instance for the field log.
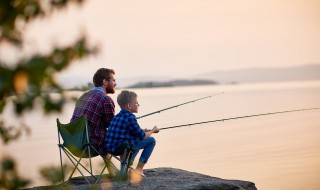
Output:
(173, 83)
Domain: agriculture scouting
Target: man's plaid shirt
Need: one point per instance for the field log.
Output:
(99, 110)
(123, 128)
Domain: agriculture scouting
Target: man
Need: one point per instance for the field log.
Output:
(98, 107)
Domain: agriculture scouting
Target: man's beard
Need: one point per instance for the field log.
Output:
(110, 90)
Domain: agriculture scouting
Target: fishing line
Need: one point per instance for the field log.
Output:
(239, 117)
(192, 101)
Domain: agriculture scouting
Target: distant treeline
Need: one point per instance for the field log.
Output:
(89, 86)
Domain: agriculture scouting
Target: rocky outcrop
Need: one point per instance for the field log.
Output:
(162, 178)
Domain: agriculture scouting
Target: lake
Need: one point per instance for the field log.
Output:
(279, 151)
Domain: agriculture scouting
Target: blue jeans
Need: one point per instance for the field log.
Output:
(147, 145)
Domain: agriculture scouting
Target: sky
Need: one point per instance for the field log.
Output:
(181, 38)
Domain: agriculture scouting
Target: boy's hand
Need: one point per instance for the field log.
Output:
(155, 129)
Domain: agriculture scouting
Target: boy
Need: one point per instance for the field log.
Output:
(125, 129)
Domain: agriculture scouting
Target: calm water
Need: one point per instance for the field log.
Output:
(275, 152)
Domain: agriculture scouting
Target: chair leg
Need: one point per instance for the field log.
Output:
(62, 171)
(76, 167)
(90, 161)
(70, 156)
(107, 163)
(125, 164)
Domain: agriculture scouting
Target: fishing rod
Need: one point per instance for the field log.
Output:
(178, 105)
(239, 117)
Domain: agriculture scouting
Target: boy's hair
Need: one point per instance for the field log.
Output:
(102, 73)
(125, 97)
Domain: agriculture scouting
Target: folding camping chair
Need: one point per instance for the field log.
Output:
(76, 146)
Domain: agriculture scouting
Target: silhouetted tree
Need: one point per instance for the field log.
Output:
(30, 78)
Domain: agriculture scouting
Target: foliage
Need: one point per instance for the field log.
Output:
(31, 79)
(9, 178)
(53, 174)
(11, 133)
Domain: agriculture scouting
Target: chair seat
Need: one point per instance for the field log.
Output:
(120, 150)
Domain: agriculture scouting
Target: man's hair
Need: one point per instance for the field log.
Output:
(125, 97)
(102, 73)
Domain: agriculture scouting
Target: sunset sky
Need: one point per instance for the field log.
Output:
(184, 37)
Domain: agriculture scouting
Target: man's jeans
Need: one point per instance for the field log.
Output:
(147, 145)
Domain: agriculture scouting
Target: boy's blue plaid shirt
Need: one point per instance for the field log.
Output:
(123, 128)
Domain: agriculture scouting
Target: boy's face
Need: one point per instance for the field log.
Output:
(134, 106)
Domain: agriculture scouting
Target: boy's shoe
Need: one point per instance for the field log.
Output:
(135, 177)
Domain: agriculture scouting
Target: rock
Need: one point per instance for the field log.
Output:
(161, 178)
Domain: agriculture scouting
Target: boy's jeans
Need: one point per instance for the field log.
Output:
(147, 145)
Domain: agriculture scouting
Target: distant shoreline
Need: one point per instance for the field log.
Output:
(237, 76)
